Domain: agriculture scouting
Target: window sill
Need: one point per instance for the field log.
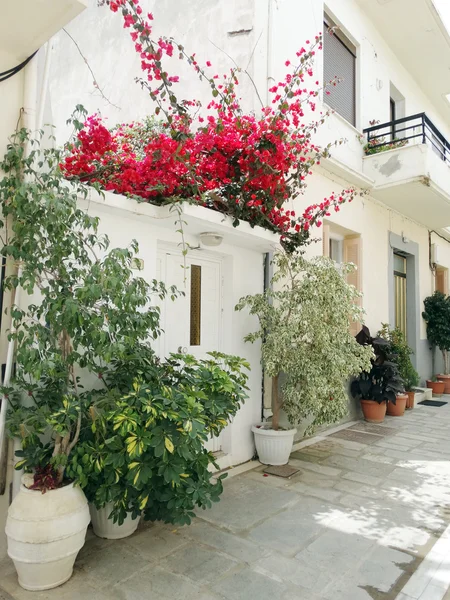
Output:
(342, 119)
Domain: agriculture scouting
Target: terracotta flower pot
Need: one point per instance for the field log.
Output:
(411, 399)
(446, 380)
(437, 387)
(397, 409)
(372, 411)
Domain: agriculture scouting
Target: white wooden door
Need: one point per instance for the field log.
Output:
(192, 323)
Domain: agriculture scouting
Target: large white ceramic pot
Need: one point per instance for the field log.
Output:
(45, 533)
(273, 447)
(106, 528)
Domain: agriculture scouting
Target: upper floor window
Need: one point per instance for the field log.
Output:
(339, 58)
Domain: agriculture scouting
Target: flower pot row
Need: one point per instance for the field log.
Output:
(46, 531)
(441, 386)
(374, 412)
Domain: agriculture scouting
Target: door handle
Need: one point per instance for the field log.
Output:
(182, 350)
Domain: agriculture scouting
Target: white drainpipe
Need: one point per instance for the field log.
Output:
(28, 121)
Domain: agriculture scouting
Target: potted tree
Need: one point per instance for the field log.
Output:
(304, 329)
(437, 318)
(86, 311)
(381, 384)
(401, 355)
(143, 449)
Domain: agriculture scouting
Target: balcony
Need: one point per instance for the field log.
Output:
(409, 162)
(25, 26)
(416, 34)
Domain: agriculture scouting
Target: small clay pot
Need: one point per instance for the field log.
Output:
(446, 380)
(411, 399)
(397, 409)
(372, 411)
(437, 387)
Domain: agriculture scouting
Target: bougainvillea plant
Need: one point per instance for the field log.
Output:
(243, 165)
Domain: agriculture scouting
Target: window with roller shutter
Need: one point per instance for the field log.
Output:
(339, 57)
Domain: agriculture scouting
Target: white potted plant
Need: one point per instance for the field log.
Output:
(304, 325)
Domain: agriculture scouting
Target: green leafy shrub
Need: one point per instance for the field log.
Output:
(401, 355)
(304, 319)
(85, 307)
(437, 317)
(143, 448)
(382, 382)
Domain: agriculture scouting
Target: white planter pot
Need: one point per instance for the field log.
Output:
(45, 533)
(106, 528)
(273, 447)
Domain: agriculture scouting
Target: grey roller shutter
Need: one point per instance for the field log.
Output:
(339, 62)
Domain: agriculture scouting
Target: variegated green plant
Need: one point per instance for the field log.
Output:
(304, 319)
(143, 448)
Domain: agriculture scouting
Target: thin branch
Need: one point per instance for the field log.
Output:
(96, 85)
(240, 68)
(76, 436)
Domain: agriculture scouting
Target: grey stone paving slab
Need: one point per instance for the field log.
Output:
(339, 551)
(154, 544)
(77, 588)
(375, 577)
(323, 493)
(353, 464)
(372, 428)
(155, 583)
(242, 549)
(112, 564)
(290, 530)
(314, 479)
(249, 585)
(290, 569)
(321, 469)
(201, 564)
(244, 503)
(362, 478)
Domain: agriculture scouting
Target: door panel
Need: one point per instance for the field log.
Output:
(192, 323)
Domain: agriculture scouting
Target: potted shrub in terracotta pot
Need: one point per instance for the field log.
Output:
(437, 317)
(437, 386)
(307, 347)
(380, 385)
(142, 450)
(401, 355)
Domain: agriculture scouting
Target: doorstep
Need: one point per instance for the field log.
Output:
(423, 394)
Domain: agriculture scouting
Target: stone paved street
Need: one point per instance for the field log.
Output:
(368, 504)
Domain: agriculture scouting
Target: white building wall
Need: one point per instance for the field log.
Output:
(293, 22)
(262, 34)
(243, 274)
(221, 32)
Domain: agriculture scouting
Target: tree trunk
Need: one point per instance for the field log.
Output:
(275, 404)
(445, 356)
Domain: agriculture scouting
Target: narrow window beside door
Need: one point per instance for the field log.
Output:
(441, 280)
(400, 291)
(196, 305)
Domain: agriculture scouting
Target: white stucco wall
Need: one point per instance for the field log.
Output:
(243, 274)
(212, 29)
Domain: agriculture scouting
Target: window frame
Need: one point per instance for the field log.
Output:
(346, 41)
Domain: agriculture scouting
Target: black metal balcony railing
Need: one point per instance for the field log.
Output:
(399, 132)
